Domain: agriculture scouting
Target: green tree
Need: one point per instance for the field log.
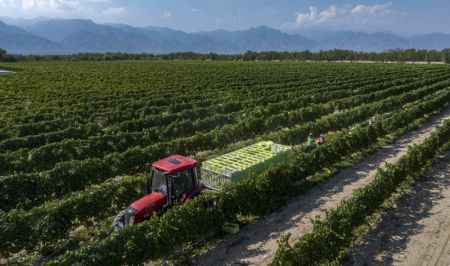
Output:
(445, 55)
(250, 56)
(2, 53)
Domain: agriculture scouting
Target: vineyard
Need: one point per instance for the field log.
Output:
(75, 138)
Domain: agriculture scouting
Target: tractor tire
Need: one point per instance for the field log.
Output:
(119, 221)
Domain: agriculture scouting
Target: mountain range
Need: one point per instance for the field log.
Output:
(64, 36)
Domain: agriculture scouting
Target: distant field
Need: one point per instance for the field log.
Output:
(71, 131)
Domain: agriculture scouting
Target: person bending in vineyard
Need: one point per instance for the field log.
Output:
(310, 144)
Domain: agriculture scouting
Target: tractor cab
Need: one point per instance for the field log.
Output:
(175, 177)
(172, 181)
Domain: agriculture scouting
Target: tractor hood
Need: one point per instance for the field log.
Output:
(147, 205)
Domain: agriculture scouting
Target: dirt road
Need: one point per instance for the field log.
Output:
(417, 231)
(256, 244)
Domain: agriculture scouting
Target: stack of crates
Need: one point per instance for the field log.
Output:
(242, 163)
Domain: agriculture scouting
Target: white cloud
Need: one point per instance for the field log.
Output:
(51, 5)
(371, 10)
(166, 15)
(194, 10)
(7, 3)
(347, 15)
(114, 11)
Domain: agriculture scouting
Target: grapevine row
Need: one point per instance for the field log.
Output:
(189, 222)
(334, 234)
(145, 107)
(75, 175)
(55, 219)
(47, 156)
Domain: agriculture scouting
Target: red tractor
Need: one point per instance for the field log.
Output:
(172, 181)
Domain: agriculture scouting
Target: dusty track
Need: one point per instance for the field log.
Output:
(256, 244)
(417, 231)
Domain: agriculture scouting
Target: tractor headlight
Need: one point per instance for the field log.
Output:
(130, 213)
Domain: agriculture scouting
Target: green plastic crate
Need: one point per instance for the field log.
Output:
(242, 163)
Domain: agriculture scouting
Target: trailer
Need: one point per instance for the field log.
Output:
(242, 163)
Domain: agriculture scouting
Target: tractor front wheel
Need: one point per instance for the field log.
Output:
(119, 221)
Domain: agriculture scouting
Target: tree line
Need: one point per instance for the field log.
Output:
(2, 54)
(407, 55)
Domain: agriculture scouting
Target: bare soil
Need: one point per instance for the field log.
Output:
(256, 244)
(417, 230)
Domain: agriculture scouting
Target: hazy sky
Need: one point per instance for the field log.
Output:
(398, 16)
